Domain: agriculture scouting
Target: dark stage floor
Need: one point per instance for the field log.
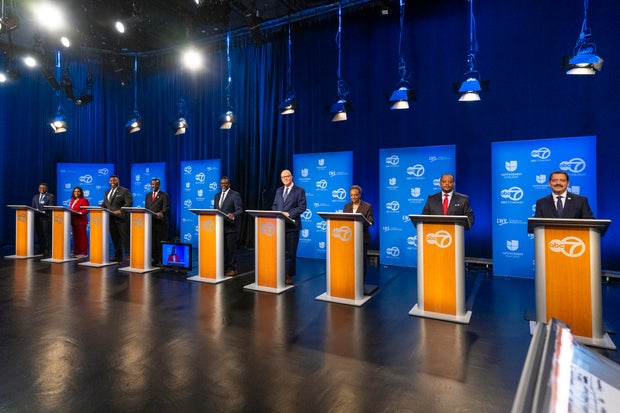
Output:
(77, 339)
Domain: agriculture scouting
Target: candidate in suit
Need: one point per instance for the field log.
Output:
(457, 203)
(572, 205)
(229, 202)
(291, 200)
(158, 202)
(79, 222)
(114, 199)
(357, 205)
(43, 220)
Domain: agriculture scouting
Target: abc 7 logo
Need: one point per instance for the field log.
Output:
(22, 217)
(571, 246)
(138, 222)
(208, 226)
(58, 218)
(343, 233)
(268, 229)
(442, 239)
(95, 221)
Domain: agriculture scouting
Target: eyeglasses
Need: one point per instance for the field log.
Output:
(285, 176)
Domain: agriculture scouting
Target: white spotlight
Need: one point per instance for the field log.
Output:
(120, 27)
(192, 59)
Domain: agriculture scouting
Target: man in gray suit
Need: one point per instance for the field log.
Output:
(229, 202)
(114, 199)
(448, 201)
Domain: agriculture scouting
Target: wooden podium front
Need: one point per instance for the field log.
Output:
(269, 260)
(141, 231)
(441, 267)
(24, 232)
(568, 275)
(61, 234)
(345, 258)
(99, 237)
(210, 246)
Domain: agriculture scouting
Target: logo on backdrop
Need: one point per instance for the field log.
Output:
(415, 192)
(392, 206)
(575, 165)
(416, 170)
(304, 233)
(344, 233)
(187, 203)
(307, 214)
(187, 237)
(201, 177)
(304, 172)
(187, 170)
(321, 226)
(511, 166)
(512, 244)
(321, 162)
(86, 179)
(103, 171)
(541, 153)
(512, 194)
(137, 179)
(322, 184)
(570, 246)
(541, 178)
(441, 239)
(392, 251)
(392, 160)
(213, 186)
(339, 193)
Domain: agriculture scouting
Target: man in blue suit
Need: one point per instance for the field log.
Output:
(569, 205)
(229, 202)
(291, 200)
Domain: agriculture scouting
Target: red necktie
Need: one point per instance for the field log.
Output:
(153, 197)
(445, 204)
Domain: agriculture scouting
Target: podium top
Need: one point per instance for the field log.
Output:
(61, 208)
(600, 225)
(211, 212)
(97, 208)
(137, 210)
(441, 219)
(25, 207)
(351, 216)
(269, 214)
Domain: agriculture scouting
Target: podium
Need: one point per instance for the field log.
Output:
(568, 275)
(141, 231)
(210, 246)
(24, 232)
(99, 237)
(441, 267)
(61, 234)
(269, 260)
(345, 258)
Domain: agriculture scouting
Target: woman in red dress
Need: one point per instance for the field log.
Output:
(79, 222)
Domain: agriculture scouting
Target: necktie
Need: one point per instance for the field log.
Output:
(286, 190)
(111, 194)
(41, 199)
(153, 197)
(445, 204)
(559, 206)
(222, 198)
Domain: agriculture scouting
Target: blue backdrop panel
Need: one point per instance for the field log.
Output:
(407, 177)
(94, 179)
(326, 177)
(200, 181)
(141, 175)
(520, 171)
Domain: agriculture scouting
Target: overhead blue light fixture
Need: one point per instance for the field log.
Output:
(401, 97)
(584, 60)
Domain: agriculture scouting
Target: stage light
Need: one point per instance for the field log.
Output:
(87, 93)
(64, 40)
(3, 77)
(120, 26)
(192, 59)
(8, 23)
(470, 88)
(59, 123)
(339, 109)
(179, 126)
(30, 61)
(402, 95)
(584, 60)
(50, 16)
(288, 105)
(227, 119)
(135, 123)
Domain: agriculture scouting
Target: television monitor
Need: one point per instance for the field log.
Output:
(176, 255)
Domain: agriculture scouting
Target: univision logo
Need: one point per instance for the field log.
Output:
(511, 166)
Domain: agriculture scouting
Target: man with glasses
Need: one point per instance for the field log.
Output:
(291, 200)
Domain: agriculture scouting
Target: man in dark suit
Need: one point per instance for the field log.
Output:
(569, 205)
(114, 199)
(361, 207)
(229, 202)
(43, 220)
(291, 200)
(448, 201)
(158, 202)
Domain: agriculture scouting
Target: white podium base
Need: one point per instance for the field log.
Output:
(256, 287)
(59, 261)
(22, 257)
(92, 264)
(347, 301)
(603, 342)
(208, 280)
(139, 270)
(461, 319)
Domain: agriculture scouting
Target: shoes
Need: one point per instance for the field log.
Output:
(80, 256)
(231, 273)
(288, 280)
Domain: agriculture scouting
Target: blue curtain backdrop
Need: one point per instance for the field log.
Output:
(521, 47)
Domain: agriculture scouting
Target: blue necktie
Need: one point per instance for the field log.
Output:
(285, 193)
(559, 206)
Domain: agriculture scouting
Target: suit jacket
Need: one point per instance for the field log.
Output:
(122, 198)
(160, 204)
(295, 205)
(48, 200)
(232, 205)
(575, 206)
(459, 205)
(77, 207)
(365, 209)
